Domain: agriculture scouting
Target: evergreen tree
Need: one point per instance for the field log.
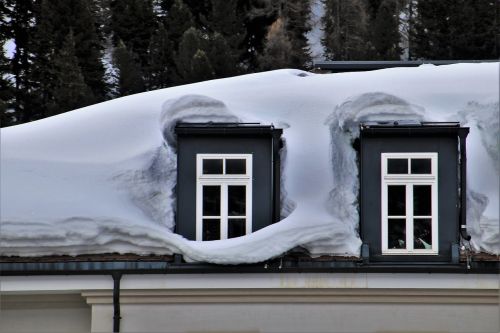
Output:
(297, 15)
(7, 114)
(130, 79)
(277, 49)
(455, 29)
(179, 19)
(223, 59)
(385, 36)
(260, 14)
(89, 46)
(225, 24)
(345, 30)
(201, 69)
(160, 68)
(54, 20)
(16, 24)
(133, 22)
(70, 91)
(191, 61)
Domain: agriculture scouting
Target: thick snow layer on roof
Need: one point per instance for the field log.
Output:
(101, 178)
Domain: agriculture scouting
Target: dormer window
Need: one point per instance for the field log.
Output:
(411, 190)
(409, 203)
(228, 179)
(223, 196)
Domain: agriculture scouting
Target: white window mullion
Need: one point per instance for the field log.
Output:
(385, 221)
(223, 212)
(409, 217)
(199, 212)
(434, 216)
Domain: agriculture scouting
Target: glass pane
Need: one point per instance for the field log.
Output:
(396, 203)
(422, 234)
(211, 229)
(422, 200)
(236, 228)
(212, 166)
(397, 165)
(236, 197)
(236, 166)
(397, 234)
(211, 201)
(421, 165)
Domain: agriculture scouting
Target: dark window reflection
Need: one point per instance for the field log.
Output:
(211, 229)
(236, 228)
(236, 166)
(422, 200)
(396, 203)
(211, 200)
(422, 234)
(421, 165)
(236, 196)
(397, 234)
(212, 166)
(397, 165)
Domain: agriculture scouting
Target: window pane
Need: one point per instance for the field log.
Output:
(212, 166)
(422, 200)
(396, 203)
(397, 165)
(397, 234)
(422, 234)
(236, 166)
(236, 197)
(236, 228)
(211, 200)
(421, 165)
(211, 229)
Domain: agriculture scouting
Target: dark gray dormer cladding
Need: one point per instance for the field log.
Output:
(228, 179)
(412, 175)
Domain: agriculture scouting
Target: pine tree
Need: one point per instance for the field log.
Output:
(133, 22)
(260, 14)
(70, 91)
(297, 15)
(160, 68)
(430, 30)
(345, 30)
(455, 29)
(224, 61)
(179, 19)
(16, 18)
(227, 32)
(192, 63)
(130, 78)
(54, 20)
(89, 46)
(385, 36)
(7, 114)
(277, 49)
(201, 69)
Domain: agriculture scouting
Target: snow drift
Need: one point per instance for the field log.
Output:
(102, 178)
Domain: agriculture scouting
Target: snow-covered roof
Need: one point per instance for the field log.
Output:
(101, 179)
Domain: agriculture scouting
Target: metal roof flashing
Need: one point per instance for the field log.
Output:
(412, 127)
(222, 128)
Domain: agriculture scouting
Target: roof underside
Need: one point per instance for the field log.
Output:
(356, 66)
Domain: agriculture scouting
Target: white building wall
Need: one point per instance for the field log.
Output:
(254, 303)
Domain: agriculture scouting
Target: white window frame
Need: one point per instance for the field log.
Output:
(408, 180)
(223, 180)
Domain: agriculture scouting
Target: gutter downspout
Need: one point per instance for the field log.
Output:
(116, 300)
(462, 134)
